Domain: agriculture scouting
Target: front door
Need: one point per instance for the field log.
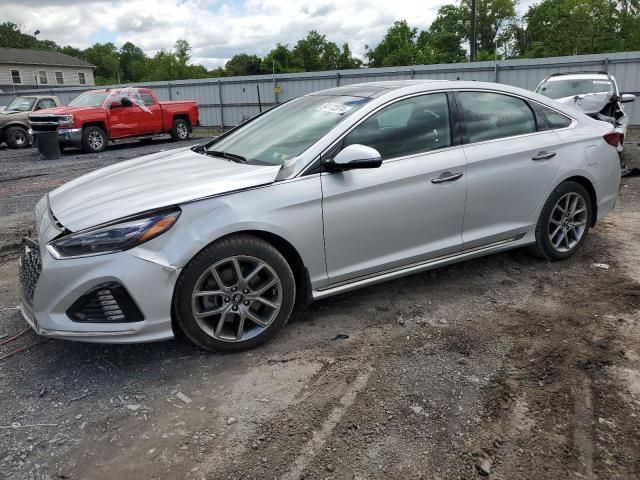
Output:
(409, 209)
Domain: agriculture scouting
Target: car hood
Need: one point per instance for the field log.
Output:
(63, 110)
(159, 180)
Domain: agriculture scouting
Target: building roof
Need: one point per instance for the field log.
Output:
(39, 57)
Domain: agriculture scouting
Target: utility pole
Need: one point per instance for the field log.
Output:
(472, 40)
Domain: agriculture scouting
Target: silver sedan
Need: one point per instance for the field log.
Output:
(332, 191)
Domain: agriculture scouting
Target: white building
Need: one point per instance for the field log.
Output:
(22, 69)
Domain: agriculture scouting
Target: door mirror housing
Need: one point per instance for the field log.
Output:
(627, 98)
(115, 104)
(355, 156)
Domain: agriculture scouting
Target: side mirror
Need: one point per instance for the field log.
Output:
(355, 156)
(126, 102)
(627, 98)
(114, 104)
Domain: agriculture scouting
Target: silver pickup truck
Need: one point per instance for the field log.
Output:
(14, 124)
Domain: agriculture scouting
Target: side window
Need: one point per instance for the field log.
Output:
(59, 78)
(81, 78)
(415, 125)
(493, 115)
(45, 103)
(42, 77)
(147, 99)
(550, 119)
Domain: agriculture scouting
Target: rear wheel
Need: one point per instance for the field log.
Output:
(180, 129)
(94, 139)
(17, 137)
(235, 294)
(564, 222)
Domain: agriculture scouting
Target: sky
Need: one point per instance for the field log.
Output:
(216, 29)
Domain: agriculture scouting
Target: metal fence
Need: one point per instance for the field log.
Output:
(228, 101)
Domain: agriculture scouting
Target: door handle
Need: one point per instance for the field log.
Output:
(447, 177)
(542, 155)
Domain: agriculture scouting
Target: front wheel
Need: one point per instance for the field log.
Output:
(17, 137)
(180, 129)
(235, 294)
(94, 139)
(564, 222)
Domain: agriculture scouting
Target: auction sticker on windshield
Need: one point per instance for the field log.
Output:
(338, 108)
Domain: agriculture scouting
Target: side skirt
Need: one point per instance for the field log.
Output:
(352, 284)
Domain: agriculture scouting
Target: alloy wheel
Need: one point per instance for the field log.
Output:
(182, 130)
(237, 298)
(568, 222)
(95, 141)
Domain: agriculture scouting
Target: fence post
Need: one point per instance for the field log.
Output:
(606, 64)
(413, 73)
(337, 79)
(169, 89)
(497, 72)
(221, 104)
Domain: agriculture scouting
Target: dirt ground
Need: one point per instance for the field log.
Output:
(505, 367)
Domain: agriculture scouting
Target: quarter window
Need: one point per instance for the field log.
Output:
(42, 77)
(59, 78)
(550, 119)
(492, 115)
(15, 76)
(81, 78)
(415, 125)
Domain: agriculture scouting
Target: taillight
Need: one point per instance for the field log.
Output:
(612, 139)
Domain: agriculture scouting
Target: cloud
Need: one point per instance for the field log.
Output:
(217, 29)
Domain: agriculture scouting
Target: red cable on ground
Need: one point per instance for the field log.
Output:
(15, 337)
(10, 354)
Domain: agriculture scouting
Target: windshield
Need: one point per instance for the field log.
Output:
(287, 130)
(22, 104)
(572, 87)
(89, 99)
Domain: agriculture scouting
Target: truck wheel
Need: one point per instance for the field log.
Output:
(180, 129)
(94, 140)
(17, 137)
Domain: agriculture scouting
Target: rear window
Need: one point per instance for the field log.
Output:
(562, 88)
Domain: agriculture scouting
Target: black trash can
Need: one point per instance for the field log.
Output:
(48, 145)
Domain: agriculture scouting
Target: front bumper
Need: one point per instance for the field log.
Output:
(70, 136)
(62, 282)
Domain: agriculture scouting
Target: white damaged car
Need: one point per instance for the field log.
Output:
(593, 93)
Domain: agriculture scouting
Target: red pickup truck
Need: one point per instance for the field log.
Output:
(95, 117)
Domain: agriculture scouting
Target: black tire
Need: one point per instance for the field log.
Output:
(89, 142)
(17, 137)
(543, 246)
(236, 245)
(180, 130)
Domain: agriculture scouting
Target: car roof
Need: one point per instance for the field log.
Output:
(372, 89)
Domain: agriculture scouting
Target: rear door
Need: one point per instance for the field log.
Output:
(511, 164)
(409, 209)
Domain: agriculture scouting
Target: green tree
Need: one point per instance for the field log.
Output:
(346, 60)
(133, 62)
(243, 64)
(315, 52)
(11, 36)
(106, 58)
(398, 47)
(572, 27)
(281, 60)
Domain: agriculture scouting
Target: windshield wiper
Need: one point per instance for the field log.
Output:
(229, 156)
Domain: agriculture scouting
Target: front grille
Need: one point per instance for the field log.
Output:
(105, 303)
(44, 123)
(30, 268)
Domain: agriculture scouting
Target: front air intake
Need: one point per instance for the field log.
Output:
(105, 303)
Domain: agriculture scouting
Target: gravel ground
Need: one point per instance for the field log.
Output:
(503, 367)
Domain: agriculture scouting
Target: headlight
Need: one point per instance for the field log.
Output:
(117, 236)
(65, 120)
